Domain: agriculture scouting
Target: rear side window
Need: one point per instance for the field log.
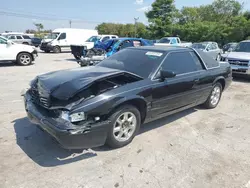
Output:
(208, 61)
(26, 37)
(180, 63)
(19, 37)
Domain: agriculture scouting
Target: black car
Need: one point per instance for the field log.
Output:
(90, 106)
(36, 41)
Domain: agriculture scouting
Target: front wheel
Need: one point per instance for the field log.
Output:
(24, 59)
(57, 49)
(214, 97)
(125, 123)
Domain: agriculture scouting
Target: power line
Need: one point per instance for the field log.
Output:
(51, 18)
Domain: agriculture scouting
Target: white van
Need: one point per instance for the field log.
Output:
(61, 39)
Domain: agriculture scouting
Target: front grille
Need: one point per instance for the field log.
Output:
(44, 44)
(239, 62)
(240, 71)
(38, 99)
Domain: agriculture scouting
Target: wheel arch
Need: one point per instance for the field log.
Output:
(26, 53)
(221, 80)
(136, 101)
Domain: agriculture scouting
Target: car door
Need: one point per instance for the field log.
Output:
(3, 44)
(12, 38)
(180, 92)
(63, 43)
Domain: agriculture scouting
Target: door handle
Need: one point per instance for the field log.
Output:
(196, 80)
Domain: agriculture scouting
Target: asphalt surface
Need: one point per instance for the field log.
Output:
(192, 149)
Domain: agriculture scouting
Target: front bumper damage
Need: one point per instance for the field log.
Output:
(69, 136)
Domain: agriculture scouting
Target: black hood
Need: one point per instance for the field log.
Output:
(64, 84)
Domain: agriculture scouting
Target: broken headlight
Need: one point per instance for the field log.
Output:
(75, 117)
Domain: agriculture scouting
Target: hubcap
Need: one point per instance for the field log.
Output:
(124, 126)
(215, 97)
(25, 59)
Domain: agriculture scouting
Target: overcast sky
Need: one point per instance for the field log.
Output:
(15, 15)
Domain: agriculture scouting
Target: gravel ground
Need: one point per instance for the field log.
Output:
(196, 148)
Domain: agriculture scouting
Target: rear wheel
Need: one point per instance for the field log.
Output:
(125, 123)
(24, 59)
(57, 49)
(214, 97)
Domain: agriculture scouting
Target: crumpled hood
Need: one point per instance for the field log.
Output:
(237, 55)
(64, 84)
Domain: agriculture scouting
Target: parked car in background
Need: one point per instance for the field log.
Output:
(210, 48)
(172, 41)
(88, 107)
(75, 48)
(19, 53)
(229, 47)
(20, 39)
(239, 58)
(61, 39)
(36, 41)
(103, 50)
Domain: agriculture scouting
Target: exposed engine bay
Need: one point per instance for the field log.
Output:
(92, 57)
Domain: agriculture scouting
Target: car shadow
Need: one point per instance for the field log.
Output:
(241, 78)
(42, 149)
(7, 64)
(73, 60)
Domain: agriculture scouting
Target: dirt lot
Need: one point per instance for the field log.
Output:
(196, 148)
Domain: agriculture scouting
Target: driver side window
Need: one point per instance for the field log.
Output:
(62, 36)
(126, 44)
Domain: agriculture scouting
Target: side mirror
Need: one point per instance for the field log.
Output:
(166, 74)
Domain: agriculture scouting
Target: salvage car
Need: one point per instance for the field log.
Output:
(210, 48)
(105, 49)
(239, 59)
(90, 106)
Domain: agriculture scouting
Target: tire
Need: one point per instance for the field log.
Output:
(25, 43)
(214, 97)
(123, 136)
(24, 59)
(57, 49)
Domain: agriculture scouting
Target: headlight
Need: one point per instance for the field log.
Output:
(79, 116)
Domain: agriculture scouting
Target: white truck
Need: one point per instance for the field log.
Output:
(172, 41)
(61, 39)
(19, 53)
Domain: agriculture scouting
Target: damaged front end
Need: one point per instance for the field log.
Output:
(54, 109)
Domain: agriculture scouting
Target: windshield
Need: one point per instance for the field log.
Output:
(243, 47)
(93, 39)
(138, 61)
(52, 36)
(3, 40)
(164, 40)
(201, 46)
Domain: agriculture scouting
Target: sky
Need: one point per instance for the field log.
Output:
(19, 15)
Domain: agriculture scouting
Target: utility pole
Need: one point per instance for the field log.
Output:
(136, 19)
(70, 23)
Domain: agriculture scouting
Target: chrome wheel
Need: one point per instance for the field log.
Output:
(215, 96)
(124, 126)
(25, 59)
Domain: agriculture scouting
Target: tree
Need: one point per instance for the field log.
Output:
(39, 26)
(161, 17)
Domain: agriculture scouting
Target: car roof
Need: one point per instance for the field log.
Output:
(163, 48)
